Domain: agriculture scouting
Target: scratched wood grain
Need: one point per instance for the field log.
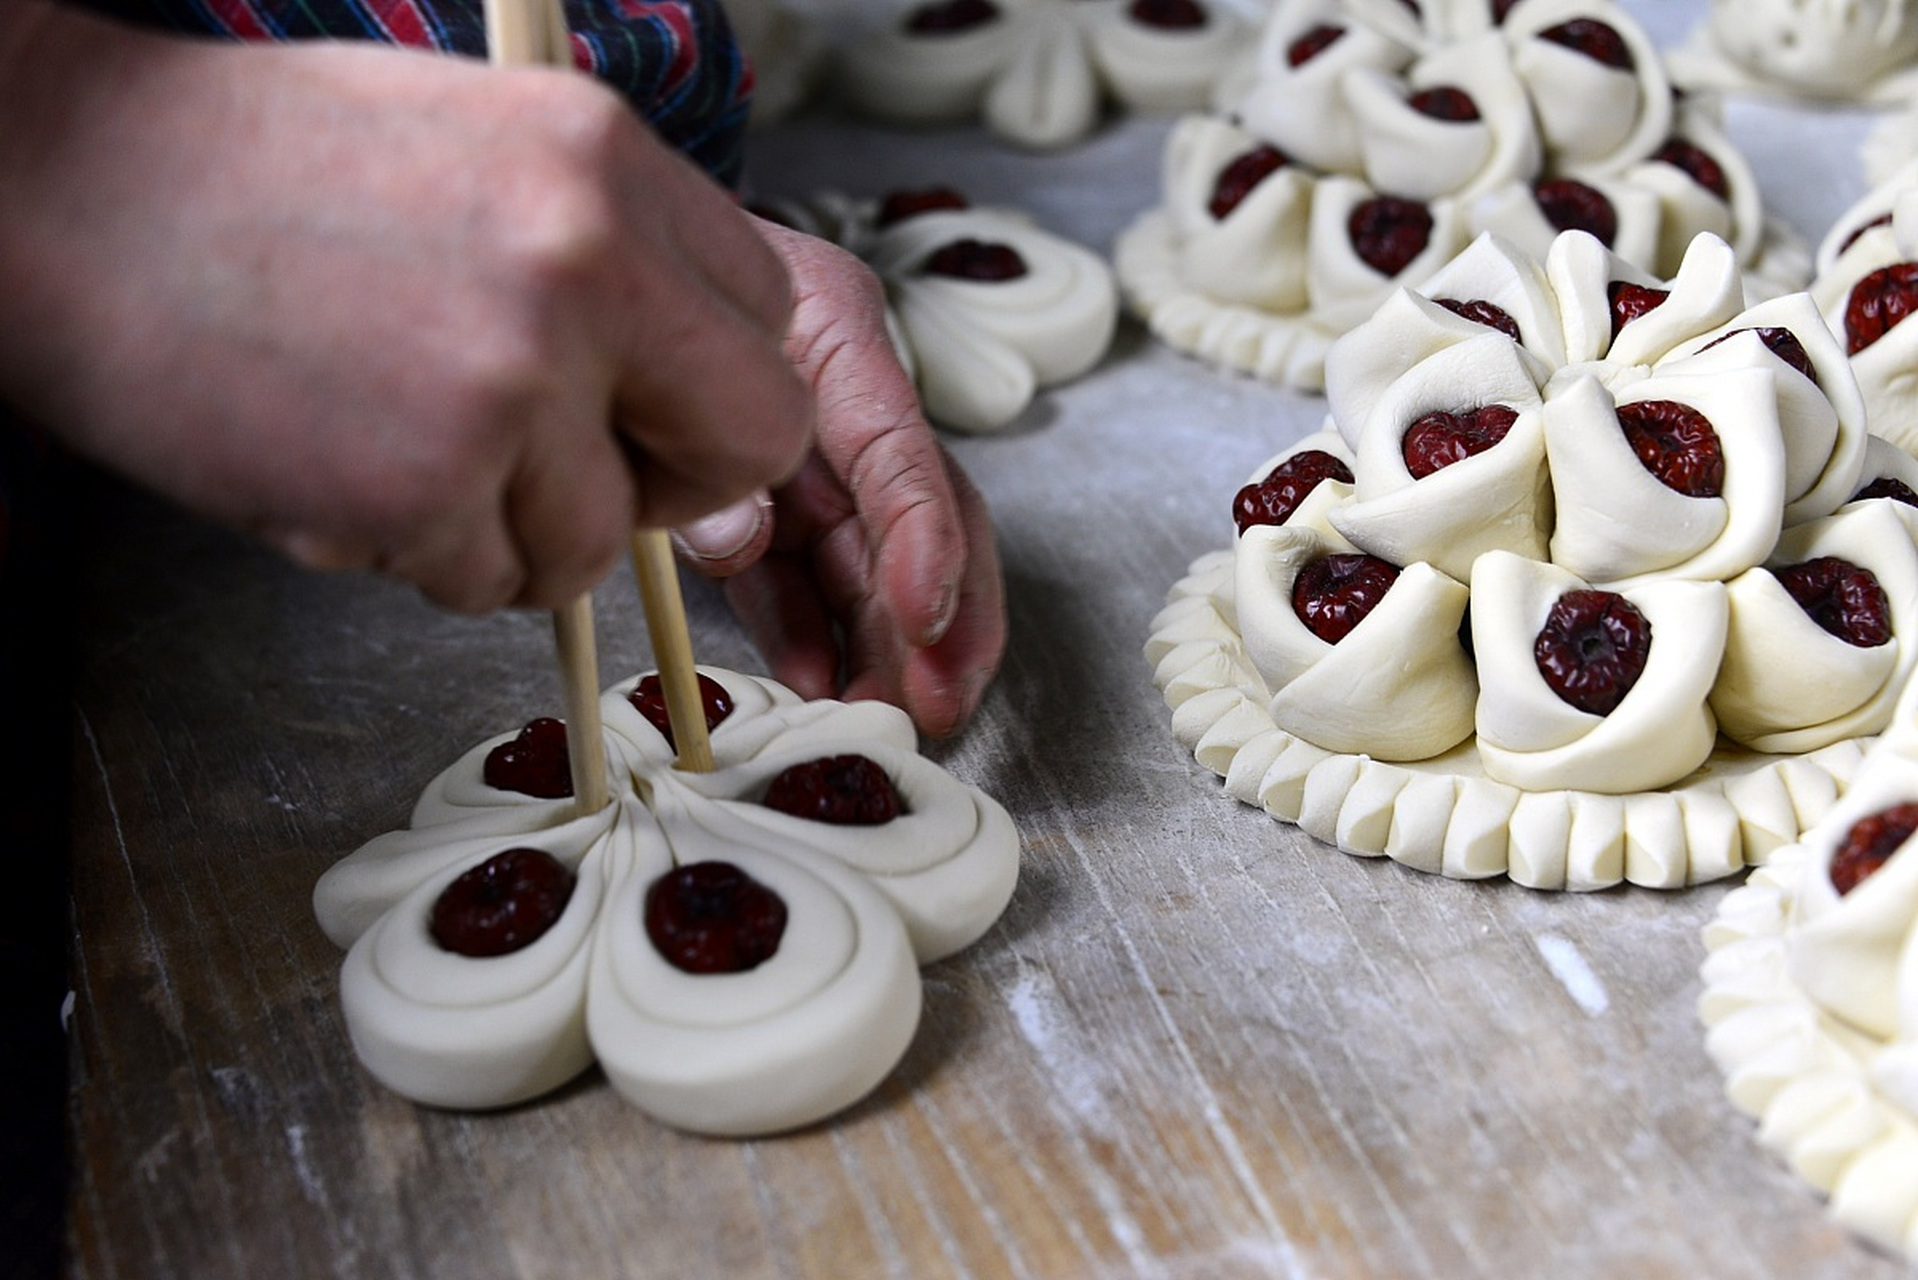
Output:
(1198, 1045)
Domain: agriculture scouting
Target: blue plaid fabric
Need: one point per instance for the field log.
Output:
(675, 60)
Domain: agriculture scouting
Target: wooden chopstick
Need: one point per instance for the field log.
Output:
(672, 648)
(533, 32)
(521, 33)
(579, 695)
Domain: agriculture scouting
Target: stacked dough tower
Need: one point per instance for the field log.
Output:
(1374, 139)
(1591, 577)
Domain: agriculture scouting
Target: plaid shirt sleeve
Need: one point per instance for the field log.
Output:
(675, 60)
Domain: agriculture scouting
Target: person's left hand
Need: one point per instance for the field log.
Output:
(872, 573)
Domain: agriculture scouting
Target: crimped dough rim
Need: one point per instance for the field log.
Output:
(1799, 1071)
(1443, 815)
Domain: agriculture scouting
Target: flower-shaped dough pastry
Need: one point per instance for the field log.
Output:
(1396, 684)
(737, 954)
(1658, 727)
(985, 306)
(1039, 72)
(983, 344)
(1821, 639)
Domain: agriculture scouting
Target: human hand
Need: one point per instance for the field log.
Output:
(872, 573)
(384, 309)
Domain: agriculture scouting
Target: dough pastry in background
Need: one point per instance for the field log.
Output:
(986, 308)
(1039, 73)
(738, 949)
(1824, 51)
(1370, 144)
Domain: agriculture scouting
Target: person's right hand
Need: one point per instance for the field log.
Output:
(384, 309)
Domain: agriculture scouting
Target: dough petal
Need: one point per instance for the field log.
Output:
(807, 1033)
(450, 1030)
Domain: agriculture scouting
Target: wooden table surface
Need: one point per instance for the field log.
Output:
(1198, 1044)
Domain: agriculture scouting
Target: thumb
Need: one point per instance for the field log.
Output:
(729, 539)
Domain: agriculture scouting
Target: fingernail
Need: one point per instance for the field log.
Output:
(942, 617)
(726, 532)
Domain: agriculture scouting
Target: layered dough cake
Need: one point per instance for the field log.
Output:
(737, 950)
(1040, 73)
(1590, 577)
(1811, 997)
(1377, 139)
(985, 306)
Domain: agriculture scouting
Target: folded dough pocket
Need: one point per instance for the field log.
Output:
(1846, 949)
(1823, 637)
(478, 1031)
(1253, 253)
(1497, 498)
(1397, 686)
(1619, 520)
(1532, 736)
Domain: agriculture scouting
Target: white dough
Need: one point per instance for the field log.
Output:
(1823, 50)
(982, 348)
(1533, 739)
(1398, 687)
(1562, 501)
(1495, 499)
(807, 1033)
(1787, 684)
(1812, 1000)
(1887, 369)
(1617, 522)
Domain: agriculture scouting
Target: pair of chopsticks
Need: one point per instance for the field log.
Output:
(533, 33)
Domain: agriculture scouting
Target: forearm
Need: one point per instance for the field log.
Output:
(53, 116)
